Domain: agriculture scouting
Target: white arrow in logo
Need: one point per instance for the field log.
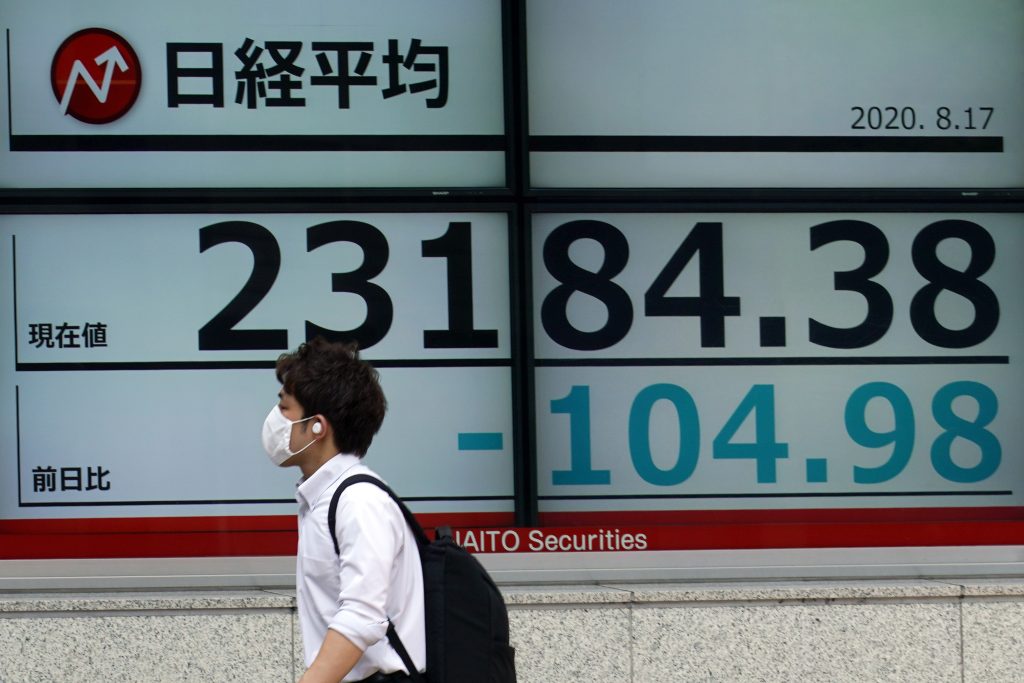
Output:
(112, 58)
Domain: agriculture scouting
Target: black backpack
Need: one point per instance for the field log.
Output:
(466, 619)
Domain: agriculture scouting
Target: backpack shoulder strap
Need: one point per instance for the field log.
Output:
(417, 530)
(332, 511)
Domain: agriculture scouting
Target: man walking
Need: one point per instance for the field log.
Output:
(330, 407)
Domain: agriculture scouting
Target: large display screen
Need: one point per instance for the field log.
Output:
(693, 373)
(795, 94)
(142, 354)
(653, 276)
(839, 364)
(340, 94)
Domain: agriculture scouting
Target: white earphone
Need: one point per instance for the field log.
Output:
(317, 427)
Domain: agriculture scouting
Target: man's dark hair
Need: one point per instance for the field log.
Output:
(329, 379)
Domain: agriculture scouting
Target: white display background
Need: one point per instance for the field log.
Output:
(471, 31)
(768, 264)
(795, 68)
(184, 439)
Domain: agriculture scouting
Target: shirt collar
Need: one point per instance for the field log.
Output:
(309, 490)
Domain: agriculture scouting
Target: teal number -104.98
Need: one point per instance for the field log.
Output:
(758, 406)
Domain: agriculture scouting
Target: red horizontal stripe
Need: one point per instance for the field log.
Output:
(838, 535)
(619, 538)
(146, 545)
(155, 537)
(149, 537)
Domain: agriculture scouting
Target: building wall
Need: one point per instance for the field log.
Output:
(909, 630)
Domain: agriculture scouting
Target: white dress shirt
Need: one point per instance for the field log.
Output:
(377, 577)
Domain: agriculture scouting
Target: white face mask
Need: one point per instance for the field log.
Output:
(277, 435)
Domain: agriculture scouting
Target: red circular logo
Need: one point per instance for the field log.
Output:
(96, 76)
